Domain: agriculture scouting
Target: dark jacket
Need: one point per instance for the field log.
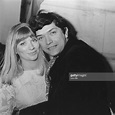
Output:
(79, 96)
(75, 97)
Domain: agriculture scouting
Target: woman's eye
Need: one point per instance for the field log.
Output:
(34, 40)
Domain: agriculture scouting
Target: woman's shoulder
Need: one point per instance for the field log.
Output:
(6, 88)
(7, 97)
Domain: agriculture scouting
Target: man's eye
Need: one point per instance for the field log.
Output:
(40, 38)
(53, 32)
(23, 43)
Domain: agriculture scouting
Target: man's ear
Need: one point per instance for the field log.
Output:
(66, 32)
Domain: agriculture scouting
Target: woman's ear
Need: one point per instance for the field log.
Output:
(66, 32)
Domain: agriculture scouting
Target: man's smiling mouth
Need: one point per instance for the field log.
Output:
(52, 47)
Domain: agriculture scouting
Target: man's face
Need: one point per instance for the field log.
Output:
(51, 39)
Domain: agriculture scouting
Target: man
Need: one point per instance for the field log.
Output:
(71, 91)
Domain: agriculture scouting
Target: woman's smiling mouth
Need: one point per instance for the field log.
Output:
(33, 53)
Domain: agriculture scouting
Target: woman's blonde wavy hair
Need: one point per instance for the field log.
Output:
(11, 67)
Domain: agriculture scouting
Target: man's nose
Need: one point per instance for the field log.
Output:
(48, 39)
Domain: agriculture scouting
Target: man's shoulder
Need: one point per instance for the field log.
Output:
(80, 48)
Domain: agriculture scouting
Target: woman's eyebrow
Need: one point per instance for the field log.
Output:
(32, 35)
(19, 40)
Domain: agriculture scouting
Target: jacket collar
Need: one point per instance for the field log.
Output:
(68, 45)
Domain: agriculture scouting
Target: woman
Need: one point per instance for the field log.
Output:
(23, 75)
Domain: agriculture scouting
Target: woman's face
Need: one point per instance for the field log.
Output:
(28, 49)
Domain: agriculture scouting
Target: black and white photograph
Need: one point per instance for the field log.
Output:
(57, 57)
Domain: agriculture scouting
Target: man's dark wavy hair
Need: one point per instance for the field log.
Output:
(45, 18)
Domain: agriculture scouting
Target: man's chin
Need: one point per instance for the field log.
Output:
(54, 55)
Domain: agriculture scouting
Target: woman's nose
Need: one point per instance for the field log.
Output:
(31, 46)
